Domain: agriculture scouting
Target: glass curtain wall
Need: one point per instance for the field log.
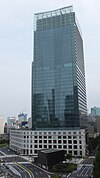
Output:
(58, 77)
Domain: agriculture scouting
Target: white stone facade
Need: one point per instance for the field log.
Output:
(28, 142)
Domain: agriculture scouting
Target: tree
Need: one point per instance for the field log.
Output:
(68, 156)
(93, 144)
(96, 169)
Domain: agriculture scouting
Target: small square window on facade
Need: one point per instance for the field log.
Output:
(59, 137)
(74, 137)
(54, 141)
(49, 141)
(45, 136)
(35, 146)
(70, 146)
(75, 152)
(70, 141)
(59, 146)
(30, 151)
(64, 137)
(45, 146)
(74, 133)
(75, 146)
(49, 137)
(49, 132)
(59, 141)
(69, 137)
(64, 133)
(40, 133)
(54, 133)
(59, 133)
(75, 141)
(80, 152)
(40, 136)
(35, 151)
(80, 146)
(65, 147)
(35, 141)
(50, 146)
(69, 133)
(45, 141)
(54, 146)
(64, 141)
(80, 142)
(40, 141)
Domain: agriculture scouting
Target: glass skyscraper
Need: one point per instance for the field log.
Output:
(58, 75)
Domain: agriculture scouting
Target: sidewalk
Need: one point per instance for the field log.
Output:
(74, 160)
(28, 158)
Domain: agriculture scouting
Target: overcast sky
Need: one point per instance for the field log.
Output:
(16, 48)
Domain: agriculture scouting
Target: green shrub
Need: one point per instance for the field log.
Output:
(64, 167)
(71, 167)
(54, 176)
(3, 145)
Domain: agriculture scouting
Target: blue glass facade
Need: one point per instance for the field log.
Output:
(95, 111)
(58, 77)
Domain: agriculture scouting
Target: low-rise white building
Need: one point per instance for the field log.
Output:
(28, 142)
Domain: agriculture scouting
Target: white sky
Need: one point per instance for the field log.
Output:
(16, 28)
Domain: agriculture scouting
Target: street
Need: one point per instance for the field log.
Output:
(38, 172)
(85, 172)
(23, 173)
(89, 160)
(13, 159)
(6, 150)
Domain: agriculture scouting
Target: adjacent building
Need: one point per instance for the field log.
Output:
(22, 117)
(28, 142)
(98, 124)
(1, 125)
(30, 122)
(95, 111)
(11, 124)
(11, 121)
(46, 157)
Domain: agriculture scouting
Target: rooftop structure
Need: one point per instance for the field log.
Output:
(64, 10)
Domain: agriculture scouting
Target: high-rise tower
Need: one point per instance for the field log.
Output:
(58, 87)
(58, 75)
